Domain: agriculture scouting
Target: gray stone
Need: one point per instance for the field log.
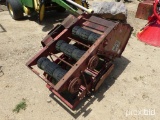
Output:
(111, 10)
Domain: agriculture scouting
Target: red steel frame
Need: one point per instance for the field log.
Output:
(111, 44)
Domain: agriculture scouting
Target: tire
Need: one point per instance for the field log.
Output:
(15, 9)
(41, 13)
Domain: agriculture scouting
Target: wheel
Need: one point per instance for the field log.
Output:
(15, 9)
(41, 12)
(60, 9)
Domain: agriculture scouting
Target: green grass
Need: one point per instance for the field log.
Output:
(136, 78)
(134, 34)
(20, 106)
(139, 78)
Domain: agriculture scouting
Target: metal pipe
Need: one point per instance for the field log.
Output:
(79, 6)
(85, 81)
(78, 42)
(62, 60)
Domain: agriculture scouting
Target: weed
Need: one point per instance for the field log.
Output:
(145, 96)
(134, 33)
(153, 71)
(20, 106)
(136, 78)
(141, 77)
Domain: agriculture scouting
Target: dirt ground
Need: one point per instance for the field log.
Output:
(132, 87)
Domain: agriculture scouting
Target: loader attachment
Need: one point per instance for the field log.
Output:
(150, 34)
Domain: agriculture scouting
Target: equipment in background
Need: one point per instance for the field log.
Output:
(16, 8)
(150, 34)
(145, 9)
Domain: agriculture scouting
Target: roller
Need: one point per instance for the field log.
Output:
(69, 50)
(85, 34)
(51, 68)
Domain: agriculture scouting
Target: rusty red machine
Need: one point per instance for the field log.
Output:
(78, 54)
(150, 33)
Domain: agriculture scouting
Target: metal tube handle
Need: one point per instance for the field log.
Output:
(79, 6)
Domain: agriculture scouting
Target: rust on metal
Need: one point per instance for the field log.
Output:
(145, 9)
(107, 41)
(74, 85)
(104, 77)
(78, 42)
(93, 62)
(62, 60)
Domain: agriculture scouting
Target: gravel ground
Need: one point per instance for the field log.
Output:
(133, 86)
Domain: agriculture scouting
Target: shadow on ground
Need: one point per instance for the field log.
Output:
(49, 20)
(83, 108)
